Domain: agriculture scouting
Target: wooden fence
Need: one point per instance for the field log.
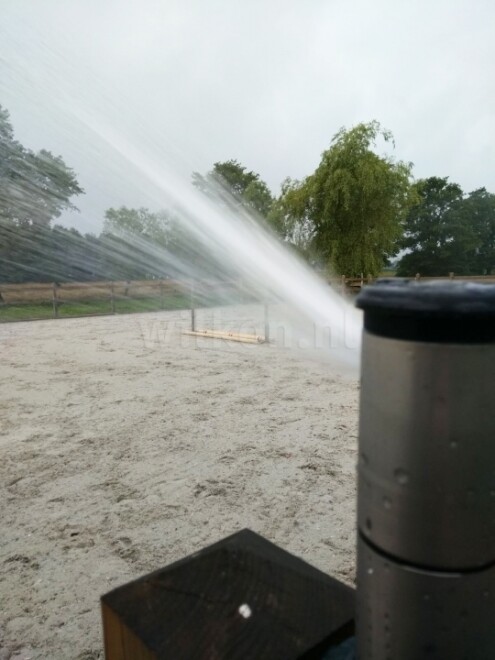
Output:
(354, 284)
(33, 293)
(56, 300)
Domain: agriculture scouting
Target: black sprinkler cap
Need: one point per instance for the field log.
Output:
(435, 311)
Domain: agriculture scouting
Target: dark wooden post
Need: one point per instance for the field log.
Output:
(162, 299)
(193, 311)
(240, 599)
(55, 301)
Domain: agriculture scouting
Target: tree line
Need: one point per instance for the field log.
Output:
(358, 212)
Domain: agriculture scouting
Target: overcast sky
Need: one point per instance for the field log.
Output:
(267, 82)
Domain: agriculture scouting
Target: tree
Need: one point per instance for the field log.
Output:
(440, 232)
(231, 184)
(146, 244)
(289, 216)
(153, 226)
(352, 206)
(34, 187)
(479, 211)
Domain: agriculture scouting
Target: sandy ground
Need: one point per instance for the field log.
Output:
(125, 445)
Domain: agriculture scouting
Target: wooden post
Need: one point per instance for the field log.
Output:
(418, 276)
(249, 599)
(55, 301)
(162, 299)
(362, 280)
(193, 312)
(112, 298)
(267, 323)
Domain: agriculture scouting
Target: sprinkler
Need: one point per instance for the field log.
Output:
(426, 484)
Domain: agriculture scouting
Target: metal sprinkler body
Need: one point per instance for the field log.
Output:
(426, 484)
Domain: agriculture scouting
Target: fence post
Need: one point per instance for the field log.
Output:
(55, 301)
(267, 323)
(162, 300)
(418, 276)
(112, 298)
(193, 315)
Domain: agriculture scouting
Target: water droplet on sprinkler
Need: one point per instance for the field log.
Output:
(401, 476)
(245, 611)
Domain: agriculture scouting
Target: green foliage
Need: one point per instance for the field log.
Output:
(147, 244)
(351, 207)
(289, 216)
(34, 187)
(478, 210)
(446, 231)
(230, 184)
(258, 197)
(156, 227)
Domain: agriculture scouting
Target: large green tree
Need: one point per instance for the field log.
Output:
(233, 185)
(353, 204)
(35, 188)
(153, 226)
(440, 231)
(478, 209)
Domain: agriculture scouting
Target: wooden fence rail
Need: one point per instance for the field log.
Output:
(55, 299)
